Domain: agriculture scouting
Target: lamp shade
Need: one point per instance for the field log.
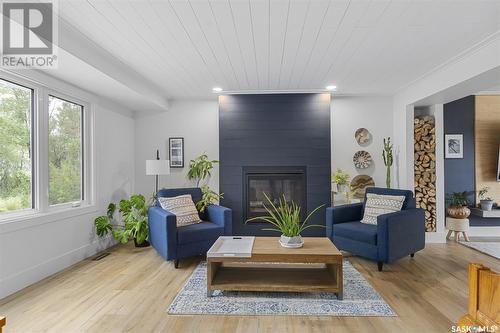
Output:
(157, 167)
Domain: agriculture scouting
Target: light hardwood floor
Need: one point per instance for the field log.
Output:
(131, 289)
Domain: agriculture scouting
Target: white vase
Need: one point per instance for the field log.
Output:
(291, 242)
(341, 188)
(486, 205)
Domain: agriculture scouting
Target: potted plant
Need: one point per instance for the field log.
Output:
(134, 225)
(208, 198)
(458, 205)
(486, 202)
(341, 179)
(200, 169)
(388, 160)
(285, 217)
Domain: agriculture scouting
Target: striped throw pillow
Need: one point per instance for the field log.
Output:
(377, 204)
(182, 207)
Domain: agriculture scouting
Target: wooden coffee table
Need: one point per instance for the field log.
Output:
(317, 266)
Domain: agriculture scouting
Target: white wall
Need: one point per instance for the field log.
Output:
(347, 115)
(31, 249)
(469, 72)
(476, 69)
(197, 122)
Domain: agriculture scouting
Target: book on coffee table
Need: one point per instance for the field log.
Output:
(232, 246)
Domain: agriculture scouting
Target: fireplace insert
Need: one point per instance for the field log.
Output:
(275, 182)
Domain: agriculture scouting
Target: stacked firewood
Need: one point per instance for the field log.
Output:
(425, 168)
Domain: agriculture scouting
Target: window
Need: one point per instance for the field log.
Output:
(65, 151)
(16, 176)
(46, 151)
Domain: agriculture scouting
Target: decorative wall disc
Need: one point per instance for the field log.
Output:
(359, 185)
(363, 136)
(362, 159)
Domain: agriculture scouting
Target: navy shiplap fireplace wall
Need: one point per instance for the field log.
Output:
(274, 130)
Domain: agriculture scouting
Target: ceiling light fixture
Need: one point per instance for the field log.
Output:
(217, 89)
(331, 88)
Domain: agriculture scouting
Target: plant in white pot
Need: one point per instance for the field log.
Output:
(285, 217)
(486, 202)
(341, 179)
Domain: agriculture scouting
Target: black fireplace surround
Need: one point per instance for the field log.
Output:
(276, 183)
(276, 143)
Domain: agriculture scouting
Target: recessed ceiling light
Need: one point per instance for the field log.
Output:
(331, 88)
(217, 89)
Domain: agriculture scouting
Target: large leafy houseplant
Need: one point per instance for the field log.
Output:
(208, 197)
(200, 169)
(134, 221)
(285, 219)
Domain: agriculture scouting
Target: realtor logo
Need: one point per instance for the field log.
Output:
(28, 34)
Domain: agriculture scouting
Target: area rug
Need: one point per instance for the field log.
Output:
(360, 299)
(489, 248)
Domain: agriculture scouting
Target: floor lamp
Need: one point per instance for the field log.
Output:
(156, 168)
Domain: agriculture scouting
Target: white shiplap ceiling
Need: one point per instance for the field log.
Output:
(364, 47)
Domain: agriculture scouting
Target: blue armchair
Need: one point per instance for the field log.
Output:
(174, 243)
(396, 235)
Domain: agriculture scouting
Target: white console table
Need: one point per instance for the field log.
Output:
(494, 213)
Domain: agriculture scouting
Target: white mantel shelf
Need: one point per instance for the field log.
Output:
(494, 213)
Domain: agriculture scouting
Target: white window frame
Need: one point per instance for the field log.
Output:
(41, 210)
(27, 211)
(85, 139)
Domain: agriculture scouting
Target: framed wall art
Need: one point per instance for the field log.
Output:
(454, 145)
(176, 152)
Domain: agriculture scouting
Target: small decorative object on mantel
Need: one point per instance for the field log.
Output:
(458, 205)
(359, 185)
(285, 219)
(362, 159)
(176, 152)
(454, 146)
(486, 202)
(387, 155)
(363, 136)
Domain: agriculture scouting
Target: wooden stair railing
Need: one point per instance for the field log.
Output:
(484, 300)
(2, 323)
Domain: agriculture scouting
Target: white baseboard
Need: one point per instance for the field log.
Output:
(484, 231)
(23, 279)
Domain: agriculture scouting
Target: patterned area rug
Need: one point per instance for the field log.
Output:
(489, 248)
(360, 299)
